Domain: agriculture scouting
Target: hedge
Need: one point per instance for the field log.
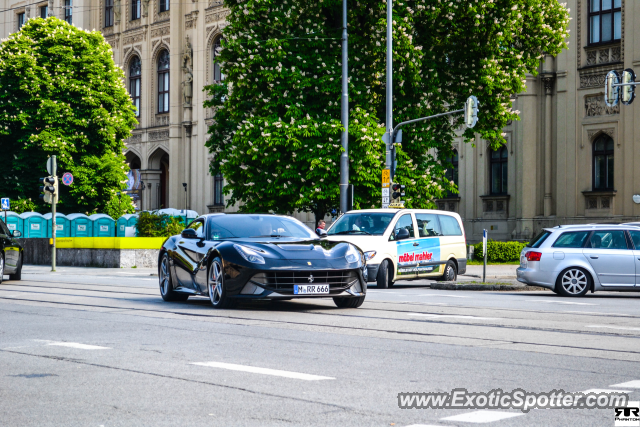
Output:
(499, 251)
(150, 224)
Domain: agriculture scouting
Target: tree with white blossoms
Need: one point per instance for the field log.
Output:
(62, 94)
(276, 130)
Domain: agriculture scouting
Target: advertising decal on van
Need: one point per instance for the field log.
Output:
(421, 258)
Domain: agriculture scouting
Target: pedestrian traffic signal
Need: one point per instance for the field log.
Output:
(397, 191)
(49, 189)
(628, 92)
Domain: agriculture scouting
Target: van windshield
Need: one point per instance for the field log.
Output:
(366, 223)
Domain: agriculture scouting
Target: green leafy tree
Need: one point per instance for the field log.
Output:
(276, 131)
(62, 94)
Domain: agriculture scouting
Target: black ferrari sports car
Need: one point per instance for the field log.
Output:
(230, 257)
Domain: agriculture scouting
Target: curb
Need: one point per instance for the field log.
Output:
(454, 286)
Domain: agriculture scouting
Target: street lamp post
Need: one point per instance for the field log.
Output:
(184, 184)
(344, 158)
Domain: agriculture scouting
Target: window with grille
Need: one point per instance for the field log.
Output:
(68, 11)
(164, 5)
(218, 186)
(605, 21)
(108, 13)
(163, 82)
(603, 163)
(135, 75)
(499, 171)
(452, 173)
(135, 9)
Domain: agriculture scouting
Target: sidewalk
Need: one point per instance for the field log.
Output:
(89, 271)
(493, 271)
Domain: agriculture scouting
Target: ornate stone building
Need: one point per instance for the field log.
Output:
(570, 159)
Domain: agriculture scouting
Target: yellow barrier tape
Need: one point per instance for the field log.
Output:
(110, 242)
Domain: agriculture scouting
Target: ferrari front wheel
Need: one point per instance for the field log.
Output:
(342, 302)
(215, 285)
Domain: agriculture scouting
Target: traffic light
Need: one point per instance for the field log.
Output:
(471, 111)
(628, 92)
(398, 191)
(49, 189)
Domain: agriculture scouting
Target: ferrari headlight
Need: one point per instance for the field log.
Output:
(249, 254)
(352, 254)
(369, 255)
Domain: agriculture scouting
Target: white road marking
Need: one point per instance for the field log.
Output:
(423, 425)
(482, 416)
(75, 345)
(586, 312)
(630, 384)
(264, 371)
(604, 390)
(620, 328)
(452, 316)
(562, 302)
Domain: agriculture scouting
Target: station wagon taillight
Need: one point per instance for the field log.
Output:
(533, 256)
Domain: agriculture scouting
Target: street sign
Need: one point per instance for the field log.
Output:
(67, 178)
(5, 203)
(484, 242)
(386, 178)
(50, 166)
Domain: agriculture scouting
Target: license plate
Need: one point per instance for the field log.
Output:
(310, 289)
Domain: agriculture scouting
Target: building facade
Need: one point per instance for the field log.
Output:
(570, 159)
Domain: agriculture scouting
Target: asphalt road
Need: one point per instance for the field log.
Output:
(91, 347)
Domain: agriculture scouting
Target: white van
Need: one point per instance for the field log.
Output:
(405, 243)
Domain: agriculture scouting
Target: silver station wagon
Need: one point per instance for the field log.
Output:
(572, 260)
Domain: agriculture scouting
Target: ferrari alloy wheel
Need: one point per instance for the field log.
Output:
(573, 282)
(217, 291)
(166, 285)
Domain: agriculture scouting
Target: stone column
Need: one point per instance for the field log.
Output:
(548, 86)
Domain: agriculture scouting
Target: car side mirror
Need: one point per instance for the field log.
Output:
(321, 233)
(189, 233)
(16, 233)
(402, 234)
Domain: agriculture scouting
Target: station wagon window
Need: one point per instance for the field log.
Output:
(539, 239)
(450, 226)
(608, 239)
(574, 239)
(406, 222)
(635, 236)
(428, 225)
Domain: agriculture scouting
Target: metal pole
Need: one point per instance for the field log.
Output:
(388, 156)
(344, 158)
(53, 217)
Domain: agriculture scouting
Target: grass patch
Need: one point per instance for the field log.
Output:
(476, 262)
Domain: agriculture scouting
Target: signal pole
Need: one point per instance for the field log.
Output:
(344, 158)
(53, 213)
(389, 140)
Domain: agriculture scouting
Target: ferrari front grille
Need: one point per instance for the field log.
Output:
(285, 280)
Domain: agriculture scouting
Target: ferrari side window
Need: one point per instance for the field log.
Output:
(198, 226)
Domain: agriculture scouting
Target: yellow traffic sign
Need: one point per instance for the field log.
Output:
(386, 178)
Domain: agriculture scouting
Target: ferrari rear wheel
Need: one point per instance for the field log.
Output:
(348, 302)
(166, 285)
(215, 284)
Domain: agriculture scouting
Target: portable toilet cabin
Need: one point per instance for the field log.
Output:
(14, 222)
(63, 228)
(34, 225)
(173, 212)
(103, 225)
(81, 225)
(126, 225)
(189, 216)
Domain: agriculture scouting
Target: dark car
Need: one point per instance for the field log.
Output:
(244, 256)
(10, 253)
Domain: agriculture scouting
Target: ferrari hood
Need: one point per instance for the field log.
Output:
(298, 249)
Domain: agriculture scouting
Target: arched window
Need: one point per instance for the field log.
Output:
(163, 82)
(218, 77)
(135, 72)
(499, 171)
(603, 163)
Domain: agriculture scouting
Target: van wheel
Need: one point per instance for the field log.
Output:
(450, 273)
(573, 282)
(384, 275)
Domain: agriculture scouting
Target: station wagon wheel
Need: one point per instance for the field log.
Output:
(573, 282)
(215, 284)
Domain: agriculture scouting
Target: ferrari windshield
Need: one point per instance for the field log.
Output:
(365, 223)
(247, 226)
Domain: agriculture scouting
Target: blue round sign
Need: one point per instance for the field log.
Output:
(67, 179)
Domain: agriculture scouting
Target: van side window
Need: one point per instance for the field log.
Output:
(404, 222)
(450, 226)
(428, 225)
